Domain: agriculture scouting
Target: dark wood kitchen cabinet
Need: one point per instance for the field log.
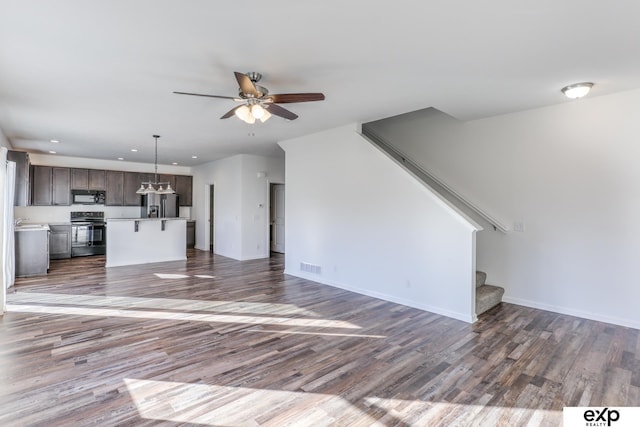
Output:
(51, 186)
(41, 185)
(191, 234)
(87, 179)
(132, 181)
(114, 188)
(79, 179)
(171, 179)
(184, 189)
(59, 241)
(61, 187)
(97, 179)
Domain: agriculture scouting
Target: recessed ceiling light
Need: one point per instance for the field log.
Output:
(52, 152)
(577, 90)
(174, 163)
(135, 150)
(55, 141)
(120, 158)
(194, 157)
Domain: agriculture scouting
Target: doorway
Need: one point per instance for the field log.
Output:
(277, 218)
(210, 219)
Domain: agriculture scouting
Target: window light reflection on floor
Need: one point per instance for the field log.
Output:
(65, 304)
(224, 405)
(214, 306)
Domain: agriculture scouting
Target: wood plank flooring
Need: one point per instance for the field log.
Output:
(216, 342)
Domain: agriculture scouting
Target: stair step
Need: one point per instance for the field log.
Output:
(487, 297)
(481, 277)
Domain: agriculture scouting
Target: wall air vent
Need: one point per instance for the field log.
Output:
(310, 268)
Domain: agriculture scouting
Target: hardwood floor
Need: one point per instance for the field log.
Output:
(217, 342)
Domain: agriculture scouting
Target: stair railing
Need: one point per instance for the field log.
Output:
(429, 178)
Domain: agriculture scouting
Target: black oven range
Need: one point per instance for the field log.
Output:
(88, 233)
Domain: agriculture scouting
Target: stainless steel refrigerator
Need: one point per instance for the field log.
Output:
(159, 206)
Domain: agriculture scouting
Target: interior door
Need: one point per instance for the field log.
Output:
(277, 218)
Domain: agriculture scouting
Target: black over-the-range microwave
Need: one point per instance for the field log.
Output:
(87, 197)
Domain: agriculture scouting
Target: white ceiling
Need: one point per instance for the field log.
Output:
(98, 75)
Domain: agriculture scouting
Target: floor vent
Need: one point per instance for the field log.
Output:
(310, 268)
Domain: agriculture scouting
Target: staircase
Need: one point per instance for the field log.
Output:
(487, 296)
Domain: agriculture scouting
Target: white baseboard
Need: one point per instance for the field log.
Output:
(385, 297)
(572, 312)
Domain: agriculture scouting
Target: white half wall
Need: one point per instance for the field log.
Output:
(357, 221)
(241, 204)
(569, 175)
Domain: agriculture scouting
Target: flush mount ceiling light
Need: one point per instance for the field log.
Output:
(577, 90)
(155, 187)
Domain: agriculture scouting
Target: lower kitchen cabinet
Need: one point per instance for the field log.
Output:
(59, 241)
(32, 251)
(191, 234)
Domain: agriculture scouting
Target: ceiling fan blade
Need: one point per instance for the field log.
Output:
(208, 96)
(231, 112)
(284, 98)
(246, 85)
(279, 111)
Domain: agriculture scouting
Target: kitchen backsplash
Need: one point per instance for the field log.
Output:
(54, 214)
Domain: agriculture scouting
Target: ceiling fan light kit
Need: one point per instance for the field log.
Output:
(257, 103)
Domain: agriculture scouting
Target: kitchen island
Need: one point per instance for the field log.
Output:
(133, 241)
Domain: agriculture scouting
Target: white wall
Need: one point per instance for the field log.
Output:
(372, 228)
(115, 165)
(4, 142)
(256, 202)
(225, 176)
(569, 173)
(240, 223)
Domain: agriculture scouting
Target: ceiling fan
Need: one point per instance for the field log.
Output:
(257, 103)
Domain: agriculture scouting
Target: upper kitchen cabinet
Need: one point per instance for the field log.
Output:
(114, 188)
(61, 188)
(41, 185)
(171, 179)
(79, 179)
(132, 182)
(22, 190)
(50, 186)
(184, 189)
(87, 179)
(97, 179)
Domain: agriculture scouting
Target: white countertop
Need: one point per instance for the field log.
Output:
(145, 219)
(32, 227)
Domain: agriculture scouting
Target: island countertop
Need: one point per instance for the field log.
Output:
(145, 240)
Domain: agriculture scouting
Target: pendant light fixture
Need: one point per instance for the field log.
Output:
(155, 187)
